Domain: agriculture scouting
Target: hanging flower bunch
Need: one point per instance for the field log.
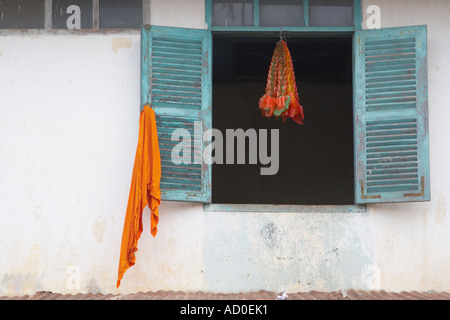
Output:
(281, 97)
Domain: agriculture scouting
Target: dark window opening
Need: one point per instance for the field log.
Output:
(331, 13)
(21, 14)
(120, 13)
(315, 159)
(232, 13)
(276, 13)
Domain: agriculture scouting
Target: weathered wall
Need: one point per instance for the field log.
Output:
(412, 244)
(69, 107)
(68, 132)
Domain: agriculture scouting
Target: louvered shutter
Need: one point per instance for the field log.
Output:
(176, 83)
(391, 115)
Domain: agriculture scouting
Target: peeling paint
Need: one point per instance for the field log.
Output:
(284, 252)
(270, 235)
(93, 286)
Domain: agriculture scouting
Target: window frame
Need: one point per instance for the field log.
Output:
(357, 25)
(357, 21)
(48, 7)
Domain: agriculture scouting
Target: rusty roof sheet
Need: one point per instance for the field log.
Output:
(257, 295)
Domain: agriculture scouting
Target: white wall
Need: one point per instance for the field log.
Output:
(69, 108)
(178, 13)
(412, 242)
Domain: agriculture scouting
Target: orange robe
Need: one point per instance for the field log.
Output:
(145, 190)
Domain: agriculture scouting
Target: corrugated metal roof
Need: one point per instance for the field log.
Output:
(257, 295)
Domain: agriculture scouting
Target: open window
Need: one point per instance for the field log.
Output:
(384, 110)
(313, 163)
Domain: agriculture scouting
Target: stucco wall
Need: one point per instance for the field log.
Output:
(68, 132)
(411, 242)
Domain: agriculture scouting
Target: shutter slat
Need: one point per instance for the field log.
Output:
(391, 165)
(393, 171)
(182, 43)
(390, 77)
(175, 93)
(192, 77)
(391, 176)
(397, 188)
(388, 64)
(389, 131)
(391, 84)
(391, 144)
(397, 142)
(391, 90)
(392, 65)
(185, 83)
(176, 88)
(186, 67)
(389, 58)
(389, 182)
(391, 154)
(398, 39)
(410, 44)
(176, 82)
(183, 168)
(401, 93)
(392, 159)
(392, 106)
(173, 187)
(174, 60)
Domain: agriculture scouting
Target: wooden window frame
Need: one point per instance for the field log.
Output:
(357, 25)
(357, 21)
(95, 15)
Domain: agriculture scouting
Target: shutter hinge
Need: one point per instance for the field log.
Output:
(363, 196)
(422, 189)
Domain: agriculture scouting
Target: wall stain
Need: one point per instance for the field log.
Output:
(17, 284)
(37, 212)
(93, 286)
(270, 235)
(98, 229)
(441, 209)
(120, 43)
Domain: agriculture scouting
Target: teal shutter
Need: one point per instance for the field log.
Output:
(176, 83)
(391, 115)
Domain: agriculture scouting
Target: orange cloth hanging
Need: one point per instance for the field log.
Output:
(145, 190)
